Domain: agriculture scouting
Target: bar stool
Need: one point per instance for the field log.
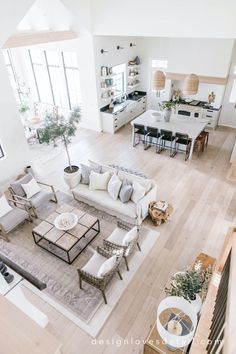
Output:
(153, 135)
(139, 130)
(166, 136)
(182, 139)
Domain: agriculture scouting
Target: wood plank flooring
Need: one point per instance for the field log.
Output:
(205, 206)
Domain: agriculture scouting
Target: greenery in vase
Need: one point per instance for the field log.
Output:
(168, 104)
(24, 107)
(60, 129)
(189, 283)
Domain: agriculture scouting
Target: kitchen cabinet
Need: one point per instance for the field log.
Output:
(111, 122)
(212, 115)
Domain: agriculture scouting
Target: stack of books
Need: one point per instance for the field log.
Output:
(161, 206)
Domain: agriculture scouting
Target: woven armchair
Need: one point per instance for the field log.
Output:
(46, 194)
(89, 272)
(114, 242)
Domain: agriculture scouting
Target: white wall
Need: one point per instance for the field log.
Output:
(208, 57)
(183, 18)
(113, 57)
(11, 131)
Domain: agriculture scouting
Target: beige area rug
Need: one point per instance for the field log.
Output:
(86, 307)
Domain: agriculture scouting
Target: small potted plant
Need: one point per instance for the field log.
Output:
(167, 107)
(61, 129)
(24, 110)
(189, 284)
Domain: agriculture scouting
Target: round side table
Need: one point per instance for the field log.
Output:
(158, 217)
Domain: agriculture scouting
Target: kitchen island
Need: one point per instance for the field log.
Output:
(185, 125)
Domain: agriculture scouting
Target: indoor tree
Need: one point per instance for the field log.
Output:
(58, 128)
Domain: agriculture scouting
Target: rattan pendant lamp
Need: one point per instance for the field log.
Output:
(159, 80)
(191, 84)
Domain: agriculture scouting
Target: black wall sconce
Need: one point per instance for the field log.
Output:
(132, 45)
(119, 47)
(103, 51)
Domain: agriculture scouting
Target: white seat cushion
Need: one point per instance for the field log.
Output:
(102, 198)
(94, 264)
(117, 236)
(13, 218)
(41, 198)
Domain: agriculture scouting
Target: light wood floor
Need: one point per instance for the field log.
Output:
(205, 205)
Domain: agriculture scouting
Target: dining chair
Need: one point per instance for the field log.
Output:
(166, 136)
(151, 138)
(140, 132)
(185, 142)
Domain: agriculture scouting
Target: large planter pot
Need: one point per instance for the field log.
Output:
(167, 114)
(197, 303)
(71, 177)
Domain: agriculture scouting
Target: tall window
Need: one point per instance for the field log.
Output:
(12, 73)
(56, 77)
(118, 76)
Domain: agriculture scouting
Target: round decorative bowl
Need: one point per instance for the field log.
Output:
(66, 221)
(157, 116)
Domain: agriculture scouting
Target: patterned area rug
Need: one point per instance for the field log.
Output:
(61, 278)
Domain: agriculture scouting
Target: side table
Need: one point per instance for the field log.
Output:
(158, 217)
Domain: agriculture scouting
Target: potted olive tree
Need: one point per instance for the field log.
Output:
(189, 284)
(167, 107)
(61, 129)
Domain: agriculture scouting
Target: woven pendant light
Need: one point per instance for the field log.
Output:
(191, 84)
(159, 80)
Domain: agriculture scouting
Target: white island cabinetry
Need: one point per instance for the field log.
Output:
(113, 121)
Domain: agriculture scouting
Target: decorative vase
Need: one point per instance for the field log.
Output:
(29, 170)
(197, 303)
(71, 178)
(167, 114)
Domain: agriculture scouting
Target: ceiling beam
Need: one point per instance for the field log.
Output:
(31, 38)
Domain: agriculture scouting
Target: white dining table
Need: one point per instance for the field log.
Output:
(178, 124)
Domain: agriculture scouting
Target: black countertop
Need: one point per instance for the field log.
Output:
(202, 104)
(133, 96)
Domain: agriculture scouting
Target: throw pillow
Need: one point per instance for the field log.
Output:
(146, 183)
(130, 236)
(138, 192)
(113, 187)
(31, 188)
(125, 191)
(106, 266)
(104, 168)
(86, 170)
(5, 208)
(16, 185)
(98, 180)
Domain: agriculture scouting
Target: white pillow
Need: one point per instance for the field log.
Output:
(4, 206)
(146, 183)
(31, 188)
(130, 236)
(106, 266)
(138, 192)
(99, 180)
(114, 186)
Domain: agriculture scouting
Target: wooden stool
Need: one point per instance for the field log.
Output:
(158, 217)
(206, 136)
(199, 144)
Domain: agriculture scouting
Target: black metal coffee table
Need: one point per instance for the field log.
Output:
(66, 245)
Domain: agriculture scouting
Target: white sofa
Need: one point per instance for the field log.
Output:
(128, 212)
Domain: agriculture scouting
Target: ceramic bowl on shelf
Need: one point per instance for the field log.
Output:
(66, 221)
